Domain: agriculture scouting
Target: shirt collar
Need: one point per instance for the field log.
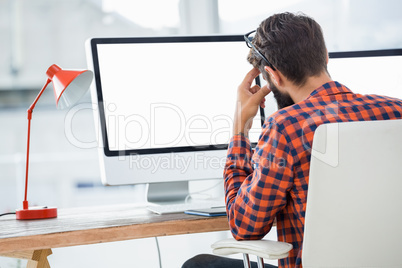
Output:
(330, 88)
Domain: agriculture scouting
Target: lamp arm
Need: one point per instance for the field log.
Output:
(30, 110)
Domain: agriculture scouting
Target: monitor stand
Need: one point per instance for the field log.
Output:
(168, 192)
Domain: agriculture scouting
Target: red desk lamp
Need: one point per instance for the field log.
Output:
(69, 86)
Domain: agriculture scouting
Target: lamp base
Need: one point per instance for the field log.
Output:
(36, 213)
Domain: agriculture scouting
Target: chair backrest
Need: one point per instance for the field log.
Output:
(354, 205)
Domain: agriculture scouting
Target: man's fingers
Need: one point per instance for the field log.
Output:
(254, 89)
(261, 93)
(262, 103)
(249, 78)
(266, 89)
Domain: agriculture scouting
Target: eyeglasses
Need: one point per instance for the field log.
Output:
(249, 41)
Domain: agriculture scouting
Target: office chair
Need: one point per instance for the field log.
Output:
(354, 204)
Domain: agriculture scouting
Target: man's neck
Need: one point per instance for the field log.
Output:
(298, 94)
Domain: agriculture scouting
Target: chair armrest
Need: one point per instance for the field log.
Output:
(266, 249)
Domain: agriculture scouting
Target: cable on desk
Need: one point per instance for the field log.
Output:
(201, 191)
(8, 213)
(159, 252)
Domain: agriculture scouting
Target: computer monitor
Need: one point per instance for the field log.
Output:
(165, 106)
(368, 72)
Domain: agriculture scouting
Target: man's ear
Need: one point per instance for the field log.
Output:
(275, 76)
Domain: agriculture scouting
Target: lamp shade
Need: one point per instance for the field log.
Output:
(69, 85)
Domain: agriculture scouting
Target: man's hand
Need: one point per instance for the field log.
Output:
(249, 99)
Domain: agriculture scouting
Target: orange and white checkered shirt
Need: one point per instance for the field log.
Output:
(272, 181)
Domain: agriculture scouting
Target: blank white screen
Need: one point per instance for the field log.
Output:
(160, 95)
(369, 75)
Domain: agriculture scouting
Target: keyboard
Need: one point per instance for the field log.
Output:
(181, 207)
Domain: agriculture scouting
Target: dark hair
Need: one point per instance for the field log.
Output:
(293, 43)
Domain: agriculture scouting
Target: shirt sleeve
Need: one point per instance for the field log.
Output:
(256, 185)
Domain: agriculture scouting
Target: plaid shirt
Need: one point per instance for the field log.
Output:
(272, 182)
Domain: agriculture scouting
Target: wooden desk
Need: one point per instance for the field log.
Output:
(33, 239)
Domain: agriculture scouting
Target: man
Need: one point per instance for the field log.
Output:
(290, 53)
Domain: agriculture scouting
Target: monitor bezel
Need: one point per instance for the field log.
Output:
(94, 42)
(366, 53)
